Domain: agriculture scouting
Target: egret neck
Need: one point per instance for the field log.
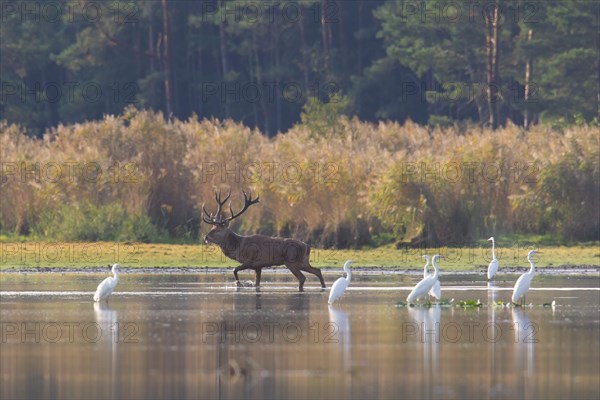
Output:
(532, 270)
(493, 249)
(426, 257)
(348, 271)
(435, 266)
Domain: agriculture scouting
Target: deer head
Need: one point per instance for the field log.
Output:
(220, 230)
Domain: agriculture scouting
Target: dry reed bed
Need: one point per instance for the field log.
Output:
(134, 176)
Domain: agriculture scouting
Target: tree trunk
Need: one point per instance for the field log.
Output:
(257, 82)
(324, 40)
(254, 76)
(475, 74)
(138, 53)
(166, 60)
(262, 99)
(492, 20)
(305, 67)
(188, 106)
(598, 70)
(342, 36)
(528, 73)
(326, 35)
(359, 46)
(225, 69)
(275, 92)
(151, 49)
(200, 72)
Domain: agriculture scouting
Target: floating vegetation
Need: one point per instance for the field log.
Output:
(428, 304)
(445, 303)
(523, 306)
(470, 303)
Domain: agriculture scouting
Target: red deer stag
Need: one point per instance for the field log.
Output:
(257, 251)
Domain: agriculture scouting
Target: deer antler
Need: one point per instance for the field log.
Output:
(212, 219)
(247, 203)
(217, 219)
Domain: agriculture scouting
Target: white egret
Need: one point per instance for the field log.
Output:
(106, 287)
(524, 281)
(426, 283)
(435, 291)
(493, 267)
(339, 286)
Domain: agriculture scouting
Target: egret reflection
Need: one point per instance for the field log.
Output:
(341, 323)
(525, 341)
(107, 321)
(492, 292)
(428, 322)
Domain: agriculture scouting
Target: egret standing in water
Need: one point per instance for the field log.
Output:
(493, 267)
(106, 287)
(339, 286)
(426, 283)
(435, 291)
(524, 281)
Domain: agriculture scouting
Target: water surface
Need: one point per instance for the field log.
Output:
(198, 336)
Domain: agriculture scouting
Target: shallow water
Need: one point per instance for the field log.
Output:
(198, 336)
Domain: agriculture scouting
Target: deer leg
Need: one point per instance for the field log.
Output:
(314, 271)
(258, 272)
(236, 270)
(301, 278)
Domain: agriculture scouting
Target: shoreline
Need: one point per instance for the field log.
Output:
(368, 270)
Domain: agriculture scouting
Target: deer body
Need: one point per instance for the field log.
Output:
(259, 251)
